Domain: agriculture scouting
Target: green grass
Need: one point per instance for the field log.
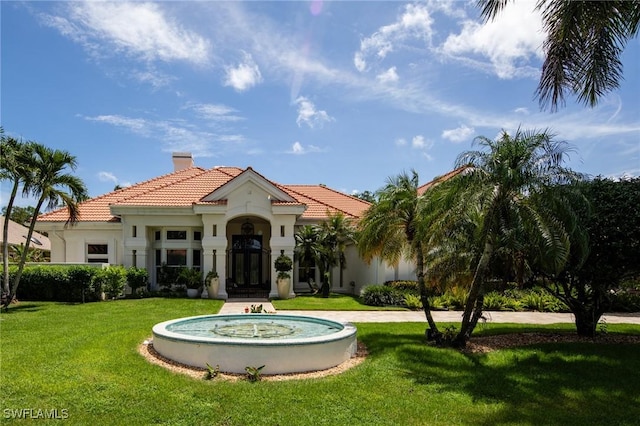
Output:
(83, 358)
(335, 302)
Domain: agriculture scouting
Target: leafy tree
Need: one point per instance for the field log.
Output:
(499, 192)
(19, 214)
(389, 230)
(585, 40)
(605, 251)
(366, 196)
(46, 180)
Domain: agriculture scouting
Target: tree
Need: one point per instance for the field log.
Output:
(585, 40)
(307, 250)
(366, 196)
(16, 167)
(500, 189)
(46, 180)
(19, 214)
(389, 230)
(605, 251)
(338, 231)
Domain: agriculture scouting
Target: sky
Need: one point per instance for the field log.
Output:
(343, 93)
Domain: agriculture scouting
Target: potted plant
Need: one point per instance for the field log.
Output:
(283, 265)
(212, 281)
(192, 278)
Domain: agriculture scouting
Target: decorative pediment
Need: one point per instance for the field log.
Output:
(248, 176)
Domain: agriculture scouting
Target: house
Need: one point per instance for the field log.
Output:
(17, 236)
(226, 219)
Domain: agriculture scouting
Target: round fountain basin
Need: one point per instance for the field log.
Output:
(282, 343)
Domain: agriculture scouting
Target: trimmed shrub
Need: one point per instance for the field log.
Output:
(404, 286)
(56, 283)
(112, 280)
(381, 295)
(137, 278)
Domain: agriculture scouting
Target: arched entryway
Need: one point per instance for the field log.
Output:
(248, 257)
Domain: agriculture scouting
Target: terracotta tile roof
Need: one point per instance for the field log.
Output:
(320, 199)
(189, 186)
(423, 188)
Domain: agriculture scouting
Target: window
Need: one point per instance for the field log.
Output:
(197, 259)
(197, 236)
(97, 253)
(134, 231)
(157, 235)
(177, 257)
(282, 230)
(176, 235)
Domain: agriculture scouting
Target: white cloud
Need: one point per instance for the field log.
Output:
(418, 142)
(136, 29)
(215, 112)
(413, 24)
(389, 76)
(459, 134)
(244, 76)
(309, 115)
(110, 177)
(521, 110)
(401, 142)
(508, 42)
(298, 149)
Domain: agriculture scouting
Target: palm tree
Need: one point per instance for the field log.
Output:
(502, 184)
(47, 181)
(15, 166)
(585, 40)
(339, 230)
(307, 249)
(389, 230)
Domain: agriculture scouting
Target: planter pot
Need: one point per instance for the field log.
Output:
(213, 286)
(192, 293)
(284, 285)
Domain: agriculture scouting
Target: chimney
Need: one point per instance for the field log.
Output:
(182, 160)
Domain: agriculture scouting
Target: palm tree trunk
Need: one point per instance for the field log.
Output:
(472, 308)
(432, 332)
(5, 242)
(23, 258)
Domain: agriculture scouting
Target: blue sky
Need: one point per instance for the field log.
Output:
(341, 93)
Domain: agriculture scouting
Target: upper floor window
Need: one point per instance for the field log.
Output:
(176, 235)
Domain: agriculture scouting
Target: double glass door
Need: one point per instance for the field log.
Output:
(246, 260)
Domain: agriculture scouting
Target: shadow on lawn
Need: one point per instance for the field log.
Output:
(23, 307)
(569, 383)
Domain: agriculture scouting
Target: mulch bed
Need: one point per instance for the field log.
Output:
(504, 341)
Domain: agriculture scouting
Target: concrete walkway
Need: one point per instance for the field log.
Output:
(236, 306)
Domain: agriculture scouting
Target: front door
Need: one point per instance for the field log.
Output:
(246, 261)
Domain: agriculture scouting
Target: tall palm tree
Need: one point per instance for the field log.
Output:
(389, 230)
(340, 231)
(15, 166)
(47, 183)
(585, 40)
(501, 184)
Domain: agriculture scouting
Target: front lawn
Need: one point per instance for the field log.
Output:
(83, 359)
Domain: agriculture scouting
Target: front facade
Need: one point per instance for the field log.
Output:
(225, 219)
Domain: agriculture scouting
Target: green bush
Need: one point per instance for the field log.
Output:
(112, 280)
(56, 283)
(412, 302)
(381, 295)
(137, 278)
(404, 286)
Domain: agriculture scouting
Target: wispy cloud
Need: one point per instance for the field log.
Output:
(309, 115)
(413, 24)
(215, 112)
(298, 149)
(110, 177)
(460, 134)
(389, 76)
(243, 76)
(135, 29)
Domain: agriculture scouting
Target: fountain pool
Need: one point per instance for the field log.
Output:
(282, 343)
